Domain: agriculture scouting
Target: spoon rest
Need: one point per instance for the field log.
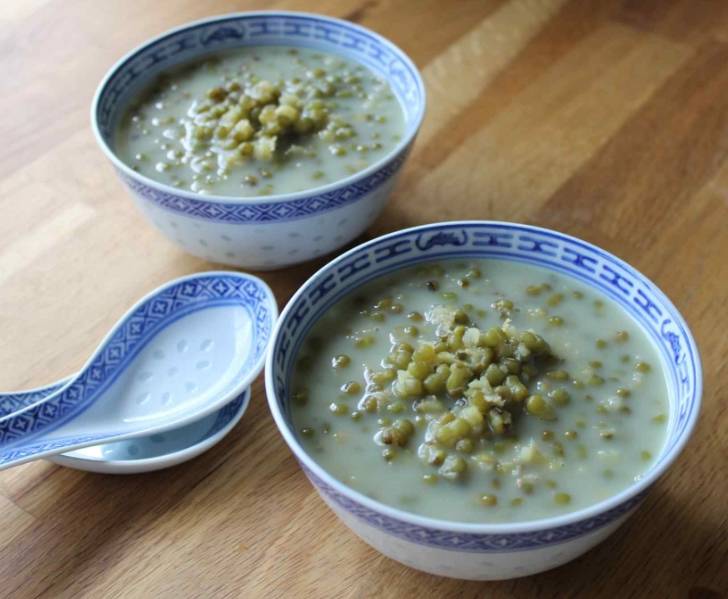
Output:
(179, 354)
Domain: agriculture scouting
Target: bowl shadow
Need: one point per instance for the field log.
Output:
(664, 548)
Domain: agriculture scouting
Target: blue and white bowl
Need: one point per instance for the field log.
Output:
(487, 551)
(278, 230)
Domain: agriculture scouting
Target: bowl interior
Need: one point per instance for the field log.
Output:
(196, 40)
(642, 300)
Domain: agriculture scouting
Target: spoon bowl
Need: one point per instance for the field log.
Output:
(178, 355)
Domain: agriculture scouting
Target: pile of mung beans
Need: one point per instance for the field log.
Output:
(465, 386)
(250, 118)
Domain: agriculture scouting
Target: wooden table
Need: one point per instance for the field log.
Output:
(607, 119)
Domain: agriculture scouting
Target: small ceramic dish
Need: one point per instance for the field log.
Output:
(143, 454)
(163, 450)
(281, 229)
(488, 551)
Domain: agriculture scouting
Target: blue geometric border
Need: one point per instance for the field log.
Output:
(262, 212)
(471, 542)
(227, 413)
(32, 449)
(134, 332)
(17, 400)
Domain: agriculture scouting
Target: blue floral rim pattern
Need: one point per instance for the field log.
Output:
(126, 342)
(549, 249)
(274, 28)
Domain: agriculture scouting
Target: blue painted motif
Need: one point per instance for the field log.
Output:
(612, 277)
(554, 251)
(471, 542)
(320, 290)
(492, 238)
(227, 413)
(126, 342)
(244, 212)
(532, 244)
(36, 448)
(579, 259)
(269, 29)
(12, 402)
(386, 252)
(429, 240)
(673, 339)
(353, 266)
(649, 307)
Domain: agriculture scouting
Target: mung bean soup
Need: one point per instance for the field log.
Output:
(486, 391)
(257, 121)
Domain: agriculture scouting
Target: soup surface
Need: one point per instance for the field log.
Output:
(258, 121)
(486, 391)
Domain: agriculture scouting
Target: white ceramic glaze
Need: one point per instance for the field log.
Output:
(178, 355)
(161, 450)
(278, 230)
(475, 565)
(488, 551)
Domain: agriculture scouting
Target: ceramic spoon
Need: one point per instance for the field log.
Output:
(140, 454)
(178, 355)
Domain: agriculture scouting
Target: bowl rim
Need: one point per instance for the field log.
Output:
(525, 526)
(411, 131)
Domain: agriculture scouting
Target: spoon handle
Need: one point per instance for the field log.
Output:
(40, 425)
(14, 401)
(11, 403)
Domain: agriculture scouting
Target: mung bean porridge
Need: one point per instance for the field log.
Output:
(257, 121)
(480, 391)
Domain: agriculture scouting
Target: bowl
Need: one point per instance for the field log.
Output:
(278, 230)
(488, 551)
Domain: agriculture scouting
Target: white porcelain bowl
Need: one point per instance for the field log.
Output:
(278, 230)
(487, 551)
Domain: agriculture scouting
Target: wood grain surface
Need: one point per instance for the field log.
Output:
(607, 119)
